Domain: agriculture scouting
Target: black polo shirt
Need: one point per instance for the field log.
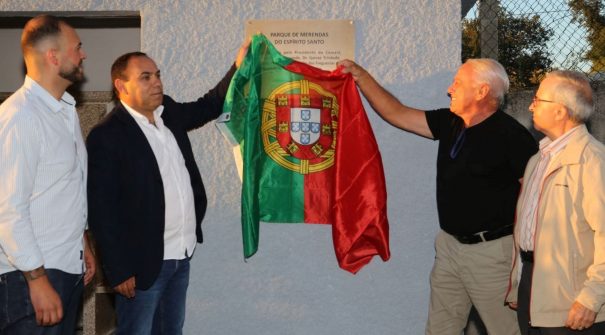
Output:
(478, 182)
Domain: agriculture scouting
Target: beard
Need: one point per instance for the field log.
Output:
(74, 74)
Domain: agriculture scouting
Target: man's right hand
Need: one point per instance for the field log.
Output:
(47, 303)
(126, 288)
(386, 104)
(348, 66)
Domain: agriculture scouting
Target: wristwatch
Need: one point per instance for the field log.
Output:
(34, 274)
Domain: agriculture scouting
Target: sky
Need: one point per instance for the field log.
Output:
(569, 38)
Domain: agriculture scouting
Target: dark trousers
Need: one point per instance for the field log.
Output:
(17, 316)
(523, 311)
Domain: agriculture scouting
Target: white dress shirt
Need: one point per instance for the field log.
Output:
(179, 221)
(529, 207)
(42, 182)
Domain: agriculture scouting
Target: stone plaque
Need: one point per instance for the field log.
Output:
(320, 43)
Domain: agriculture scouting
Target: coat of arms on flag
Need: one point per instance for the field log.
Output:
(299, 121)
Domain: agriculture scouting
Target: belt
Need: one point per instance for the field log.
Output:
(527, 256)
(485, 236)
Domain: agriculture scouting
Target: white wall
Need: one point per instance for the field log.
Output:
(293, 285)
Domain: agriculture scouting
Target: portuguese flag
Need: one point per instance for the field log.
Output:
(309, 154)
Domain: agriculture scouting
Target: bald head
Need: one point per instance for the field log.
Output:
(40, 33)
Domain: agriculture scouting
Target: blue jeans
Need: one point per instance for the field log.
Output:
(17, 314)
(159, 309)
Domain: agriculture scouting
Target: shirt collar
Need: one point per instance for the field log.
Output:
(548, 146)
(157, 113)
(50, 101)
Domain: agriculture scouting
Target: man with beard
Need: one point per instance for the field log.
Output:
(43, 208)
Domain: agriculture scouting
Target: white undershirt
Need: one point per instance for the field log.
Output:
(179, 231)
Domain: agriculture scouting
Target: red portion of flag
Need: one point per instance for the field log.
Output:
(360, 227)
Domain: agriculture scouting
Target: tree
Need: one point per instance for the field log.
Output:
(521, 46)
(590, 14)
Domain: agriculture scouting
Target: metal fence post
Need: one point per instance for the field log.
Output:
(488, 17)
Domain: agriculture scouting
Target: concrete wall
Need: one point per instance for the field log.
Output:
(293, 285)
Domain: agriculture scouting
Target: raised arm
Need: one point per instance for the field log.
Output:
(385, 104)
(208, 107)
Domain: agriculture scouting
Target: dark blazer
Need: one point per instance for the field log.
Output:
(125, 190)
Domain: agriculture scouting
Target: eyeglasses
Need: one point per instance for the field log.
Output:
(536, 100)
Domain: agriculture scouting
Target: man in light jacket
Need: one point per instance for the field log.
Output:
(558, 279)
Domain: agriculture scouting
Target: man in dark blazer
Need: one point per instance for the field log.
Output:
(146, 197)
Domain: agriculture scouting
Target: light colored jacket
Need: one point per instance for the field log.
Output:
(569, 243)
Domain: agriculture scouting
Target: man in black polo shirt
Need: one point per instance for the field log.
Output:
(481, 158)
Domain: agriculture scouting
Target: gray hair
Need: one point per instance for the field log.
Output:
(574, 92)
(490, 72)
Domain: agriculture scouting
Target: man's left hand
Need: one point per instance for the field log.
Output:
(243, 50)
(580, 317)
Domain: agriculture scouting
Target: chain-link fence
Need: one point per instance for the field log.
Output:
(531, 37)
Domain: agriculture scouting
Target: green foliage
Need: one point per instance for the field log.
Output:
(591, 14)
(521, 46)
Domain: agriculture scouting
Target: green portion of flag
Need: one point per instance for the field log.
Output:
(258, 75)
